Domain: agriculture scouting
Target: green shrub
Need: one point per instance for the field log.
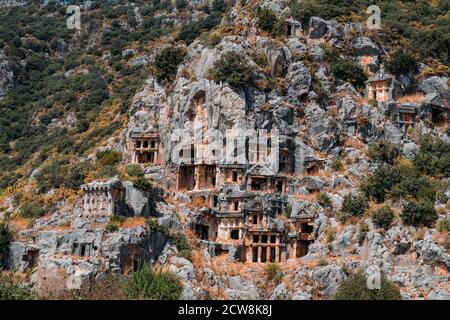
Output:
(167, 61)
(212, 40)
(419, 213)
(181, 4)
(380, 182)
(383, 217)
(142, 183)
(10, 290)
(178, 239)
(273, 272)
(268, 21)
(189, 32)
(330, 234)
(115, 222)
(349, 71)
(353, 206)
(363, 229)
(444, 225)
(304, 10)
(383, 150)
(109, 158)
(433, 157)
(355, 288)
(107, 172)
(402, 62)
(31, 210)
(154, 284)
(134, 170)
(154, 226)
(232, 69)
(322, 262)
(324, 199)
(5, 240)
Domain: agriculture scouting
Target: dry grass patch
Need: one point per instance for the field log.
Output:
(134, 222)
(412, 98)
(18, 223)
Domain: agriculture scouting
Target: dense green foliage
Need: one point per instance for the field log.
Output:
(154, 284)
(402, 62)
(383, 150)
(167, 61)
(418, 213)
(273, 272)
(355, 288)
(268, 21)
(382, 218)
(434, 156)
(324, 199)
(189, 32)
(51, 82)
(5, 239)
(444, 225)
(347, 70)
(134, 170)
(232, 69)
(401, 181)
(31, 210)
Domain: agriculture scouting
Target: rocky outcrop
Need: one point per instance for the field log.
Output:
(319, 28)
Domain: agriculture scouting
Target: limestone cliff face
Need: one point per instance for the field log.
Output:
(325, 124)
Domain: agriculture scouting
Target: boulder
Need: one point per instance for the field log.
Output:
(239, 290)
(298, 80)
(182, 268)
(364, 46)
(436, 85)
(328, 279)
(279, 59)
(431, 253)
(319, 28)
(312, 184)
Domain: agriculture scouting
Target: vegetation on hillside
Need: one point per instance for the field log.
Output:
(356, 288)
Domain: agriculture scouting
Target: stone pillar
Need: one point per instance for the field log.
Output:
(294, 249)
(110, 202)
(85, 203)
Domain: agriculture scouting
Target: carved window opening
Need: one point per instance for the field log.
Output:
(263, 254)
(273, 239)
(234, 234)
(255, 254)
